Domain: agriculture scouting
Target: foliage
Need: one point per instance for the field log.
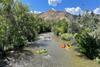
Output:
(88, 21)
(16, 25)
(74, 27)
(60, 27)
(43, 25)
(29, 28)
(67, 36)
(88, 44)
(4, 28)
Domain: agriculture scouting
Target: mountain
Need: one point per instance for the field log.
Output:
(57, 15)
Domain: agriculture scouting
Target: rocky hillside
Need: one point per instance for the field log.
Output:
(56, 15)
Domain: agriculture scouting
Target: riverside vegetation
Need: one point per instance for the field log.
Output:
(18, 26)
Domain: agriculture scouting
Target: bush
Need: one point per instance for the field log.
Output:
(74, 28)
(15, 24)
(87, 44)
(88, 21)
(67, 36)
(60, 27)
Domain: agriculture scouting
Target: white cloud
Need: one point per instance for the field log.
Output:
(31, 11)
(36, 12)
(54, 2)
(97, 10)
(53, 9)
(75, 11)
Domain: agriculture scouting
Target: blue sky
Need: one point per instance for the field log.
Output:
(71, 6)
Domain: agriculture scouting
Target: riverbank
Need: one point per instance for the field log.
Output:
(55, 57)
(76, 59)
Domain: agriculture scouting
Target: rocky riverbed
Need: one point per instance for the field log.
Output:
(55, 56)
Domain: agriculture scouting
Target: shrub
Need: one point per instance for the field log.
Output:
(67, 36)
(88, 21)
(87, 44)
(60, 27)
(14, 23)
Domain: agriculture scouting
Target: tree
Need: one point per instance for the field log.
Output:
(60, 27)
(88, 44)
(88, 21)
(15, 23)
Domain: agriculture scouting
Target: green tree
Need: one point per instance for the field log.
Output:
(16, 23)
(60, 27)
(88, 44)
(88, 21)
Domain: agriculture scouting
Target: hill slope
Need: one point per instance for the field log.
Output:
(56, 15)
